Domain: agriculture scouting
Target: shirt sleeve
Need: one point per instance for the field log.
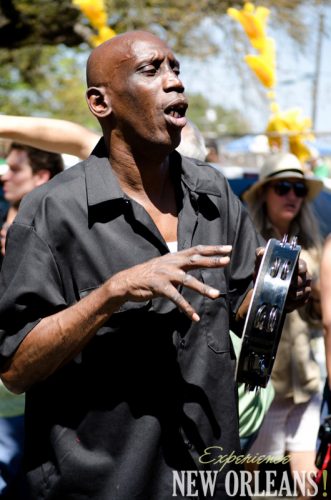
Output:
(30, 287)
(245, 242)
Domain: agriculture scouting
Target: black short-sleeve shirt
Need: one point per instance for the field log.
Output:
(151, 390)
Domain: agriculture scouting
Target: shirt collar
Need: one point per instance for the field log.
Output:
(200, 176)
(102, 184)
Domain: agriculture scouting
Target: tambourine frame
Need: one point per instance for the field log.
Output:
(266, 313)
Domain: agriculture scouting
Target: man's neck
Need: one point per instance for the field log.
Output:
(146, 174)
(148, 182)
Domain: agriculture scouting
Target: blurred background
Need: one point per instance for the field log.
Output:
(244, 108)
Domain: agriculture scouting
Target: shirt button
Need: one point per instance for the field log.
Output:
(188, 445)
(182, 343)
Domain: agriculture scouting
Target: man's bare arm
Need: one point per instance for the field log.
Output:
(57, 136)
(57, 339)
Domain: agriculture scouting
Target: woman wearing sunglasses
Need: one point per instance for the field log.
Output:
(279, 205)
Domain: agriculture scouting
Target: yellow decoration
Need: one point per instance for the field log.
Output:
(264, 64)
(105, 34)
(296, 129)
(285, 128)
(254, 21)
(96, 13)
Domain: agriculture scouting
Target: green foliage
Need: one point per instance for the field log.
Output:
(31, 22)
(47, 82)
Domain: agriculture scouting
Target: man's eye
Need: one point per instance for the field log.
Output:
(149, 70)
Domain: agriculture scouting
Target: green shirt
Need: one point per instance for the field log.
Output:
(253, 405)
(11, 405)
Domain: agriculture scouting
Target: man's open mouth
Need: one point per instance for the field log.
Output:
(176, 111)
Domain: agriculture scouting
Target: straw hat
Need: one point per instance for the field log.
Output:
(283, 165)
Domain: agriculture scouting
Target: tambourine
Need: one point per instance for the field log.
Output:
(266, 313)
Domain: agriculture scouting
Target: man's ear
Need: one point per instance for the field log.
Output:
(41, 176)
(98, 101)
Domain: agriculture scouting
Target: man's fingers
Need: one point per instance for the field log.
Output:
(190, 281)
(199, 261)
(205, 256)
(207, 250)
(259, 255)
(301, 279)
(300, 288)
(173, 294)
(211, 249)
(302, 267)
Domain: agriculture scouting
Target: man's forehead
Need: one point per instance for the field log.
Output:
(146, 48)
(130, 47)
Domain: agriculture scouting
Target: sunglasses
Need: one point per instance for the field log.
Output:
(284, 187)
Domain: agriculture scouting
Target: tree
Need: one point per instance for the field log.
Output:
(30, 22)
(48, 82)
(43, 45)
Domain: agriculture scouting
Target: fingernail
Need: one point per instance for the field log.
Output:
(226, 248)
(195, 317)
(214, 293)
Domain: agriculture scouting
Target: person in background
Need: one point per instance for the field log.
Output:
(67, 137)
(323, 478)
(279, 205)
(212, 151)
(316, 165)
(326, 314)
(49, 134)
(27, 168)
(192, 143)
(122, 343)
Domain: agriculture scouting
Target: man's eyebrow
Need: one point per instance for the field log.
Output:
(148, 58)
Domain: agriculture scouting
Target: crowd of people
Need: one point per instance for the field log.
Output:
(125, 283)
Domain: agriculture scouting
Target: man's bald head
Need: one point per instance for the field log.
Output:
(135, 92)
(106, 57)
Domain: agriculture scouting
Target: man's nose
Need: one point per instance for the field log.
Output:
(172, 80)
(5, 177)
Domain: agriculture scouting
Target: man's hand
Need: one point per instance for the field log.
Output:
(299, 290)
(300, 287)
(161, 276)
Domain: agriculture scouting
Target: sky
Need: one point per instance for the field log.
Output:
(296, 69)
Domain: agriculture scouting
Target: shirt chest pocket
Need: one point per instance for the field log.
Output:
(215, 317)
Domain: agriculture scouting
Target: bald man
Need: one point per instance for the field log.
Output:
(120, 281)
